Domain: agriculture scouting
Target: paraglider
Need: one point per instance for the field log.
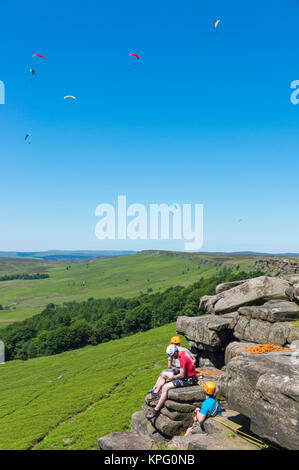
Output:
(27, 137)
(39, 55)
(134, 55)
(36, 56)
(216, 23)
(32, 71)
(69, 99)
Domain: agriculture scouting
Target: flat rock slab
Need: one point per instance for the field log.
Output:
(209, 332)
(210, 442)
(272, 311)
(187, 394)
(125, 441)
(228, 285)
(254, 291)
(261, 332)
(236, 348)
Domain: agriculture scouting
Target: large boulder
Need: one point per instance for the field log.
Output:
(125, 441)
(142, 426)
(275, 409)
(265, 387)
(208, 336)
(251, 292)
(207, 331)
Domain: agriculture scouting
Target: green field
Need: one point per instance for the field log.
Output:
(123, 276)
(79, 395)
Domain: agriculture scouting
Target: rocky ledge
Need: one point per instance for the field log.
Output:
(261, 391)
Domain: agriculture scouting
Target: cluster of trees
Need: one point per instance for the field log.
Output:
(25, 276)
(77, 324)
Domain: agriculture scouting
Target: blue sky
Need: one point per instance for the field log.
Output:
(201, 118)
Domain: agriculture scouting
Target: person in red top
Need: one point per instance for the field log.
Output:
(168, 380)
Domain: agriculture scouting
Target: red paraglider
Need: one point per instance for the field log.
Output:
(39, 55)
(134, 55)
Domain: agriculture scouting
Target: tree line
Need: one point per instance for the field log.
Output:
(25, 276)
(73, 325)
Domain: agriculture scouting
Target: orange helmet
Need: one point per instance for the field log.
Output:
(210, 388)
(175, 340)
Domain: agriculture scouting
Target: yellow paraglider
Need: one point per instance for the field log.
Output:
(68, 98)
(216, 23)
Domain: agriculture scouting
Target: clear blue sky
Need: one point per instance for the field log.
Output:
(202, 118)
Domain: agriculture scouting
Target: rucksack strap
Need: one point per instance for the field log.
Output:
(215, 412)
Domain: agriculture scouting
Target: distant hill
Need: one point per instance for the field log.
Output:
(118, 275)
(56, 255)
(124, 276)
(232, 253)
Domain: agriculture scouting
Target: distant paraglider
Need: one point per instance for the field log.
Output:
(27, 138)
(39, 55)
(216, 23)
(32, 71)
(136, 57)
(69, 99)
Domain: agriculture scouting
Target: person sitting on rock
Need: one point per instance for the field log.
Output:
(210, 407)
(168, 380)
(174, 364)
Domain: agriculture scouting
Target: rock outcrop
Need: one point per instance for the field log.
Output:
(277, 267)
(259, 310)
(262, 388)
(254, 291)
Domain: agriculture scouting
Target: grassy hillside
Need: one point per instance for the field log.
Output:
(123, 276)
(78, 395)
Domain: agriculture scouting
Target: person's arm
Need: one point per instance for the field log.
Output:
(169, 364)
(200, 418)
(201, 413)
(181, 375)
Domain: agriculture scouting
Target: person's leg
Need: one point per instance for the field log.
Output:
(164, 394)
(188, 432)
(155, 411)
(165, 376)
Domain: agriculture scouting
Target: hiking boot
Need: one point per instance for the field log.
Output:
(153, 414)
